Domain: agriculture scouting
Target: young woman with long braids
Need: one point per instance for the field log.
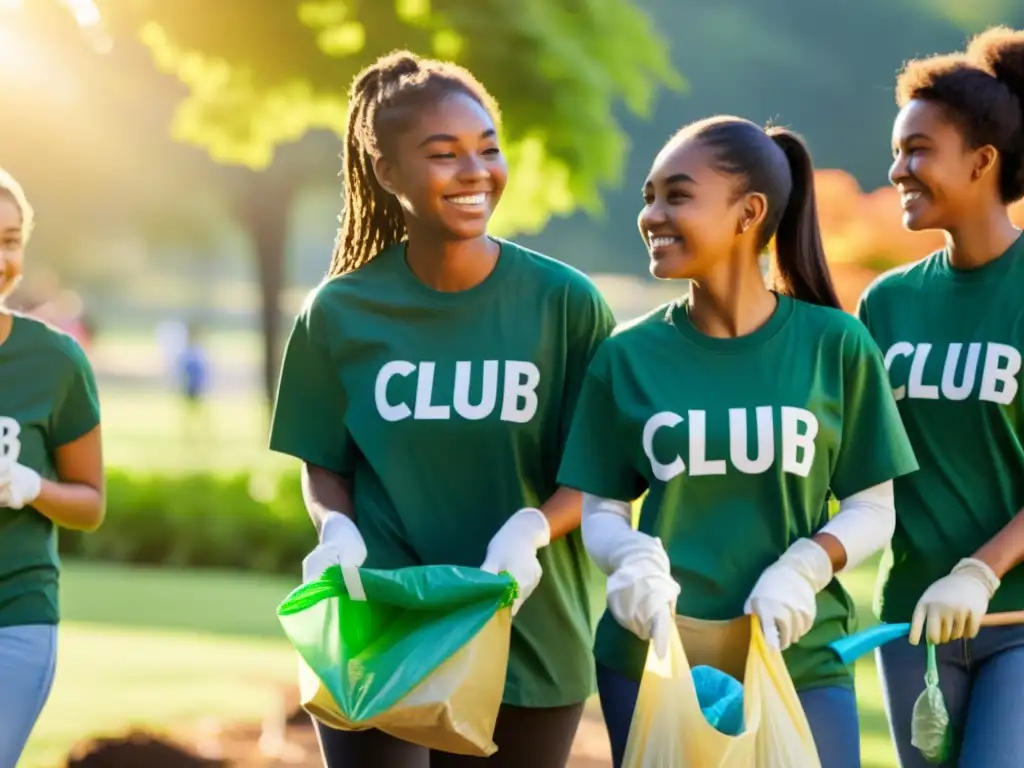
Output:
(739, 409)
(428, 387)
(951, 329)
(51, 476)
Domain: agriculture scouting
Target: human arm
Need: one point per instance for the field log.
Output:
(641, 591)
(588, 322)
(325, 494)
(953, 607)
(785, 594)
(874, 449)
(309, 424)
(75, 499)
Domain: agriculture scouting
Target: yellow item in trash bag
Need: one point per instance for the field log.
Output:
(669, 729)
(419, 653)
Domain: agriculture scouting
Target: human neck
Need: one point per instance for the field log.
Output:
(981, 240)
(452, 265)
(731, 303)
(6, 323)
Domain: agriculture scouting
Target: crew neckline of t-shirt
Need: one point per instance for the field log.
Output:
(997, 268)
(679, 315)
(485, 286)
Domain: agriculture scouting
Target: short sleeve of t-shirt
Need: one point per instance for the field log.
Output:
(596, 459)
(590, 321)
(874, 447)
(78, 412)
(309, 413)
(862, 311)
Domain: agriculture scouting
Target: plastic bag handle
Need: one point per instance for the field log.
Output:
(931, 675)
(353, 583)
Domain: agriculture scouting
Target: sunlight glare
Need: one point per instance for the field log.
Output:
(85, 12)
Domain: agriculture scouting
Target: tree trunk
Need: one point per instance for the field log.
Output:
(264, 214)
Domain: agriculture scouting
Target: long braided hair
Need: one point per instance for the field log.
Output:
(381, 101)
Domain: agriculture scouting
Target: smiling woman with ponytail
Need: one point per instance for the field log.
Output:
(740, 409)
(428, 386)
(951, 327)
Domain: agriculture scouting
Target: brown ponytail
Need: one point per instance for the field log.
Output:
(800, 268)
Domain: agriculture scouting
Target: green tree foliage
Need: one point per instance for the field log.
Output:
(262, 73)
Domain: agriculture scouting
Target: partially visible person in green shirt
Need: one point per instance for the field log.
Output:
(740, 409)
(51, 475)
(428, 387)
(951, 330)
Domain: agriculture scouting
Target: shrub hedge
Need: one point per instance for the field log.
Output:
(242, 521)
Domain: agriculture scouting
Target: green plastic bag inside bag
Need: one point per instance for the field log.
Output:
(420, 653)
(930, 729)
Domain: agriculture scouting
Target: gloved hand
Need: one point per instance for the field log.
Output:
(641, 591)
(784, 596)
(340, 544)
(19, 485)
(952, 607)
(514, 549)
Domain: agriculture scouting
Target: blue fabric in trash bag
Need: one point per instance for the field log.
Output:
(721, 699)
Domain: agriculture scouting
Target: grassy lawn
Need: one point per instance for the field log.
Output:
(166, 649)
(160, 649)
(153, 431)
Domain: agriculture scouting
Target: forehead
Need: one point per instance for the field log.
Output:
(10, 214)
(456, 114)
(681, 156)
(920, 118)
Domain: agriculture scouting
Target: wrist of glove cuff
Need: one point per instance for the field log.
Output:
(980, 571)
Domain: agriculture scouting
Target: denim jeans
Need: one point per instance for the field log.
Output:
(982, 681)
(28, 658)
(831, 713)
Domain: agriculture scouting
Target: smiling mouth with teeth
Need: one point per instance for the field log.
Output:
(909, 196)
(469, 201)
(662, 242)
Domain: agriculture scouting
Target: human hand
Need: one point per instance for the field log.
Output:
(514, 549)
(953, 607)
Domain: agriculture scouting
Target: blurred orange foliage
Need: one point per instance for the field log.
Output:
(864, 234)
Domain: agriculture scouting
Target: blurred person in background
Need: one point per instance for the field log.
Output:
(66, 312)
(951, 327)
(51, 475)
(738, 458)
(193, 367)
(428, 386)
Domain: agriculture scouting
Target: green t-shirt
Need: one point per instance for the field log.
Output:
(450, 411)
(47, 399)
(952, 342)
(738, 443)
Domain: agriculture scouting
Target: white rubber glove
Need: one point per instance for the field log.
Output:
(952, 607)
(19, 485)
(641, 591)
(514, 549)
(340, 544)
(784, 596)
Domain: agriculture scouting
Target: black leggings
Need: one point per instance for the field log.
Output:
(526, 738)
